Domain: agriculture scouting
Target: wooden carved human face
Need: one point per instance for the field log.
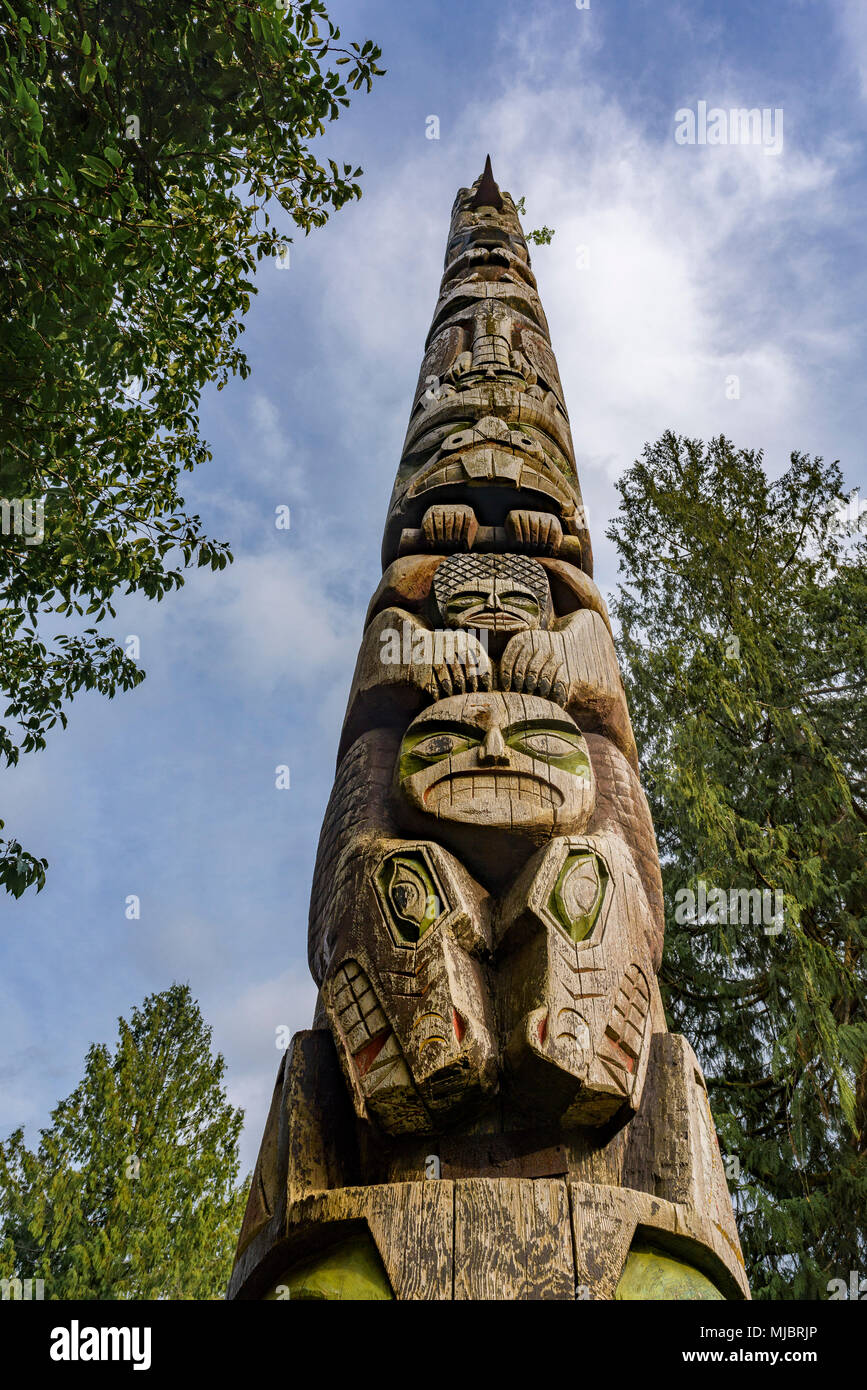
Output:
(494, 773)
(502, 594)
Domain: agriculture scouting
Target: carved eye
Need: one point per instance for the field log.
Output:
(579, 887)
(466, 600)
(545, 745)
(410, 896)
(579, 893)
(526, 444)
(517, 598)
(437, 746)
(413, 898)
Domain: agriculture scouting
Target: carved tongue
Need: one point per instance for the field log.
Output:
(367, 1055)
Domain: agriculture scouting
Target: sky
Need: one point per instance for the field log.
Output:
(705, 288)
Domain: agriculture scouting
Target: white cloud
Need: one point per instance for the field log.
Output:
(272, 459)
(705, 263)
(851, 18)
(245, 1031)
(268, 622)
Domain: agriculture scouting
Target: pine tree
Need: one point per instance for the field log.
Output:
(743, 622)
(132, 1191)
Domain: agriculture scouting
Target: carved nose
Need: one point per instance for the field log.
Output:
(493, 750)
(493, 605)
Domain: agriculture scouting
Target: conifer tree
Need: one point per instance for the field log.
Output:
(743, 628)
(132, 1191)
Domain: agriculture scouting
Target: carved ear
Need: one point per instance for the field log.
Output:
(405, 584)
(572, 589)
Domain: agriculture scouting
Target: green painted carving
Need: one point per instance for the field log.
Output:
(579, 893)
(544, 740)
(351, 1272)
(551, 743)
(410, 896)
(650, 1273)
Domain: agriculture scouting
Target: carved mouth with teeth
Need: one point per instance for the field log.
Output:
(494, 772)
(495, 620)
(369, 1038)
(496, 467)
(477, 790)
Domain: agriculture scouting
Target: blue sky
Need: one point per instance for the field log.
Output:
(699, 263)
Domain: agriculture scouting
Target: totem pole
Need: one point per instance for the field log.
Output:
(489, 1104)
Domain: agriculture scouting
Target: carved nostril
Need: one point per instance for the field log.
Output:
(493, 750)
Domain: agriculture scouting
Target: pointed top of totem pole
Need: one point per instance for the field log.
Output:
(488, 194)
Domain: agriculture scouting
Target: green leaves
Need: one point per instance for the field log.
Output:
(743, 630)
(540, 236)
(97, 170)
(146, 149)
(133, 1189)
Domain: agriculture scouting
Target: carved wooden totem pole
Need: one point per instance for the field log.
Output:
(489, 1104)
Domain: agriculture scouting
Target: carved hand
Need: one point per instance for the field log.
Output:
(539, 531)
(534, 663)
(452, 526)
(463, 668)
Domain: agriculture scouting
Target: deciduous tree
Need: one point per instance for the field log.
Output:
(146, 146)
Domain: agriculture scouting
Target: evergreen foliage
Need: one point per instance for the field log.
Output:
(743, 632)
(133, 1189)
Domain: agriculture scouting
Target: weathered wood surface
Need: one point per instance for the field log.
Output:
(503, 1239)
(486, 916)
(512, 1240)
(660, 1178)
(411, 1224)
(607, 1220)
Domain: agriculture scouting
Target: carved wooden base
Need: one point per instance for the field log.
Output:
(327, 1220)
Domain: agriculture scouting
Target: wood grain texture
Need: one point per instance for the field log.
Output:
(267, 1178)
(309, 1141)
(606, 1221)
(411, 1224)
(622, 809)
(513, 1240)
(532, 1153)
(357, 810)
(316, 1138)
